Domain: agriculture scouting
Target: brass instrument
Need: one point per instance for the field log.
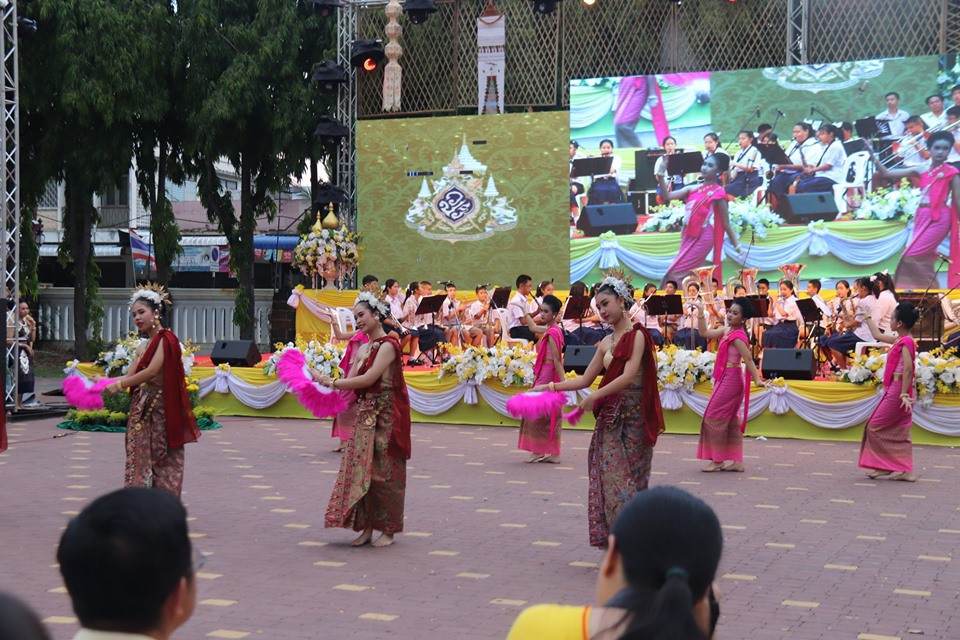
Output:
(923, 135)
(731, 286)
(750, 279)
(705, 277)
(791, 272)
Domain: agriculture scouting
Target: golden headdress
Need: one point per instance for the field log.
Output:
(155, 293)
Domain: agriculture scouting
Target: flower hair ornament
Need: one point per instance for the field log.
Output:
(151, 292)
(374, 301)
(619, 286)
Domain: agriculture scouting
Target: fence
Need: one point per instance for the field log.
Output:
(203, 316)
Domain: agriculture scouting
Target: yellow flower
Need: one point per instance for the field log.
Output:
(223, 367)
(193, 387)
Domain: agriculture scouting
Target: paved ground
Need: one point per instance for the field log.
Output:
(813, 549)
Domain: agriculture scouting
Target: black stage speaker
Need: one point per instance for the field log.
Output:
(597, 219)
(801, 208)
(236, 353)
(576, 358)
(929, 329)
(792, 364)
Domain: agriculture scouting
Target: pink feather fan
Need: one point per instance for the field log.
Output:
(321, 401)
(535, 404)
(84, 394)
(574, 416)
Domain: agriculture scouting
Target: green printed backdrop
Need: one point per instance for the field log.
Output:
(527, 155)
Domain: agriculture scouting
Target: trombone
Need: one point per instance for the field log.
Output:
(923, 135)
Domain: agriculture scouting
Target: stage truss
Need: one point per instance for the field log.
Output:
(10, 250)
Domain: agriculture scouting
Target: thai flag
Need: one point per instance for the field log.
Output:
(139, 250)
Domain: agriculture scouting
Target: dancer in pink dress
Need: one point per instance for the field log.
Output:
(934, 220)
(725, 420)
(541, 437)
(701, 234)
(886, 447)
(343, 422)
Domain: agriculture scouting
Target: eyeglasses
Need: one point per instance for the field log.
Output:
(197, 559)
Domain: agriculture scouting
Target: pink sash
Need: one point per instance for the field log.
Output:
(700, 206)
(720, 369)
(352, 345)
(556, 333)
(894, 357)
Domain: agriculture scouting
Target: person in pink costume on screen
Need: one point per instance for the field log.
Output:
(935, 219)
(705, 221)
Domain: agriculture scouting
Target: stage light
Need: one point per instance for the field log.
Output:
(367, 54)
(26, 26)
(330, 131)
(328, 74)
(419, 10)
(326, 8)
(544, 6)
(589, 3)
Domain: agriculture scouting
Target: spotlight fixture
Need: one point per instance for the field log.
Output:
(327, 193)
(326, 8)
(419, 10)
(328, 74)
(330, 131)
(367, 54)
(26, 26)
(589, 3)
(545, 7)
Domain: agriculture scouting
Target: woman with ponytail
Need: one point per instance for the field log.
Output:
(655, 582)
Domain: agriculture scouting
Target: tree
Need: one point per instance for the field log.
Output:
(245, 70)
(80, 94)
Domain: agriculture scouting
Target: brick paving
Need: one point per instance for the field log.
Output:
(813, 548)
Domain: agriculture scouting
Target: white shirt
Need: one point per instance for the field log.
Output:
(934, 121)
(835, 156)
(791, 311)
(825, 312)
(449, 311)
(897, 121)
(808, 148)
(396, 306)
(911, 155)
(473, 311)
(639, 314)
(515, 314)
(614, 168)
(883, 310)
(864, 304)
(747, 157)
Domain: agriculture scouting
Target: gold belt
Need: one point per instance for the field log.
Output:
(733, 365)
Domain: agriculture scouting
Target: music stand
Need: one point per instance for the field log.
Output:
(761, 309)
(500, 298)
(576, 308)
(773, 154)
(683, 163)
(811, 320)
(665, 305)
(854, 146)
(871, 127)
(431, 305)
(598, 166)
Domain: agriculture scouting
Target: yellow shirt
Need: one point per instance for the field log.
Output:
(553, 622)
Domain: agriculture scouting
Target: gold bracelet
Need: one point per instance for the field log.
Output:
(552, 387)
(333, 384)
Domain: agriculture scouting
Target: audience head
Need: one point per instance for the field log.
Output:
(663, 556)
(128, 563)
(18, 621)
(905, 314)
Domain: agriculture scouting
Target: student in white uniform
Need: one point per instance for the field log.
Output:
(480, 322)
(577, 330)
(408, 318)
(887, 300)
(854, 330)
(936, 117)
(450, 313)
(826, 313)
(744, 177)
(828, 166)
(689, 322)
(785, 330)
(893, 115)
(913, 149)
(638, 314)
(802, 152)
(516, 325)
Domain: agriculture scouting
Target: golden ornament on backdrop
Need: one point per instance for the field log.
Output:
(330, 221)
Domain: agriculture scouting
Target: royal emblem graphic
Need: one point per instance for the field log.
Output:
(824, 77)
(458, 206)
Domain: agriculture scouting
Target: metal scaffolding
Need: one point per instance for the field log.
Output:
(347, 113)
(10, 250)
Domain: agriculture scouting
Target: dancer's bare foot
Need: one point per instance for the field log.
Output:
(552, 459)
(735, 467)
(339, 449)
(385, 540)
(907, 476)
(363, 538)
(713, 466)
(877, 473)
(535, 457)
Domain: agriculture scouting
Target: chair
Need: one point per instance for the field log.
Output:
(504, 318)
(863, 346)
(855, 167)
(346, 321)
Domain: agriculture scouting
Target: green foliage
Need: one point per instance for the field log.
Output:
(117, 402)
(204, 412)
(100, 416)
(29, 256)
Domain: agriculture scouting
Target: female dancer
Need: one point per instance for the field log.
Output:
(700, 235)
(886, 446)
(743, 168)
(161, 420)
(935, 219)
(785, 330)
(725, 420)
(541, 437)
(343, 422)
(627, 409)
(370, 487)
(26, 335)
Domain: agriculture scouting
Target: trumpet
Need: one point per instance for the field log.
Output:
(923, 135)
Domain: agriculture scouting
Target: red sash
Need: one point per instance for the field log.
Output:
(650, 398)
(181, 425)
(399, 446)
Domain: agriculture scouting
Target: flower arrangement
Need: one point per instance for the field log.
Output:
(325, 251)
(322, 356)
(936, 371)
(117, 359)
(898, 204)
(683, 368)
(745, 216)
(513, 366)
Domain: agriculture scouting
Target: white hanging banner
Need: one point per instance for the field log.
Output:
(491, 60)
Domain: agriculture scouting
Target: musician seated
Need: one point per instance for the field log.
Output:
(744, 177)
(829, 169)
(576, 187)
(855, 330)
(671, 321)
(606, 189)
(785, 329)
(516, 325)
(936, 117)
(450, 316)
(479, 322)
(913, 152)
(800, 153)
(846, 131)
(763, 133)
(893, 115)
(951, 323)
(813, 292)
(953, 116)
(431, 335)
(578, 331)
(687, 336)
(638, 314)
(391, 324)
(660, 167)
